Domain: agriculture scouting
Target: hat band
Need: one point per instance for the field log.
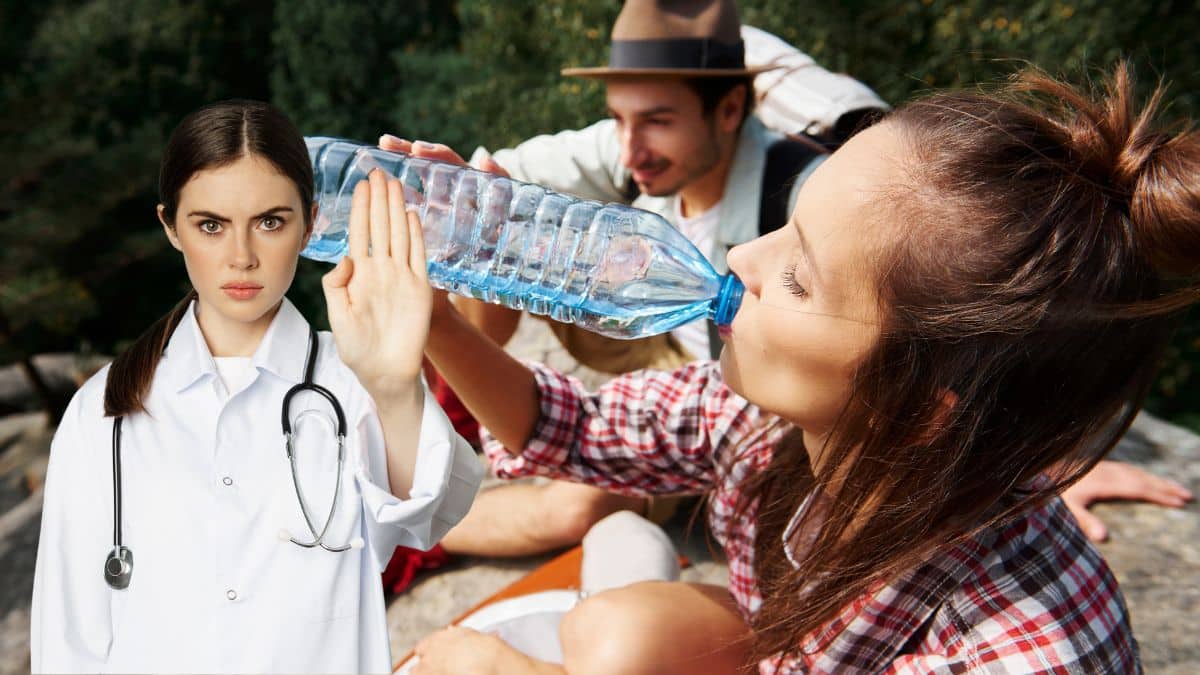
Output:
(682, 53)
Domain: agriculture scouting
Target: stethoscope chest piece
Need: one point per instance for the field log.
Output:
(118, 567)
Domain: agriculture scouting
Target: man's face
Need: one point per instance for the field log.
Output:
(666, 140)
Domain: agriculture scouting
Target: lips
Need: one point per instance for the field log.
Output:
(241, 290)
(645, 174)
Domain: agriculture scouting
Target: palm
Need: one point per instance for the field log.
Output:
(379, 298)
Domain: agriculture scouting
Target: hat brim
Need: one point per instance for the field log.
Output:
(605, 73)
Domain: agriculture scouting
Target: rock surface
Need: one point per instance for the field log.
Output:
(1155, 553)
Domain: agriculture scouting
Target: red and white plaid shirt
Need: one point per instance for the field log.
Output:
(1030, 596)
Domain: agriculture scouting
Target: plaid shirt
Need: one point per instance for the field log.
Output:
(1030, 596)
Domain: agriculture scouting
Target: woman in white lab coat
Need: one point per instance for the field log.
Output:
(219, 577)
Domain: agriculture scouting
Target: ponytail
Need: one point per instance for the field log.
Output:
(131, 373)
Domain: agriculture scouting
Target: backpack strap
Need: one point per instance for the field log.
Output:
(786, 160)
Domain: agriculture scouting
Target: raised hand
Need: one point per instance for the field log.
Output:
(497, 322)
(378, 296)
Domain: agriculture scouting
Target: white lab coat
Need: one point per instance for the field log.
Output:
(207, 489)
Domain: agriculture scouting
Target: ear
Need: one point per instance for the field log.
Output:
(942, 415)
(308, 230)
(731, 108)
(172, 235)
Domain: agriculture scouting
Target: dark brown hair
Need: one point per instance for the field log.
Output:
(211, 137)
(712, 90)
(1049, 239)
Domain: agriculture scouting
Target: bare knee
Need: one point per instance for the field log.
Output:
(569, 511)
(609, 632)
(655, 627)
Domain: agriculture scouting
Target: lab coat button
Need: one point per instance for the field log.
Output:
(231, 594)
(227, 480)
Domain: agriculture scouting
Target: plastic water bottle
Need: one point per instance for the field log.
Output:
(608, 268)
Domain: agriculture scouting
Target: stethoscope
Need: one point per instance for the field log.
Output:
(118, 567)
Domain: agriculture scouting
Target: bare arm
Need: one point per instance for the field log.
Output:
(499, 391)
(496, 321)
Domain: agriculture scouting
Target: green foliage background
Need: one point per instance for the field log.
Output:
(90, 90)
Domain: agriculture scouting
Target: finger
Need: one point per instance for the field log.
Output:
(379, 226)
(395, 144)
(397, 221)
(490, 165)
(359, 207)
(1092, 526)
(416, 242)
(1151, 488)
(1121, 480)
(337, 299)
(436, 151)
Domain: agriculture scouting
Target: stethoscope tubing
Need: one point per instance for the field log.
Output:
(118, 577)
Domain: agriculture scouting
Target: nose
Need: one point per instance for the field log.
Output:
(632, 148)
(746, 260)
(242, 256)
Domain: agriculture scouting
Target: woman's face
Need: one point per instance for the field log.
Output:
(810, 313)
(241, 228)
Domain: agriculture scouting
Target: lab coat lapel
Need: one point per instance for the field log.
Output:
(284, 348)
(186, 359)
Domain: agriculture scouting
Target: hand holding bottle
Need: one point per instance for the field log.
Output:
(437, 151)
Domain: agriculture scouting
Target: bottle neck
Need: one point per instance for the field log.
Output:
(729, 298)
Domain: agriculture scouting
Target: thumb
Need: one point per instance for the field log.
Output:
(1092, 526)
(334, 283)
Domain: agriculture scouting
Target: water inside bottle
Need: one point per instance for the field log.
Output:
(609, 268)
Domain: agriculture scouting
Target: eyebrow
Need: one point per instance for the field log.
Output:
(649, 112)
(213, 216)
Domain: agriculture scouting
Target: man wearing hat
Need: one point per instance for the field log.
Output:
(680, 141)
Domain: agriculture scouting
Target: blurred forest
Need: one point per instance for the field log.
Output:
(90, 90)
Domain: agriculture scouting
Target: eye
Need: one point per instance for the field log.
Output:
(789, 282)
(271, 223)
(210, 227)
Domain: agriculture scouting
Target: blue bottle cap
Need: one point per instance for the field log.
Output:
(728, 299)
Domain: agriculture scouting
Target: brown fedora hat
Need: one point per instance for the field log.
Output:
(674, 38)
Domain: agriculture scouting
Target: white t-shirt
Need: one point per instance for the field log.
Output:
(234, 373)
(700, 229)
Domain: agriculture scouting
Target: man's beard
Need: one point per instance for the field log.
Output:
(706, 157)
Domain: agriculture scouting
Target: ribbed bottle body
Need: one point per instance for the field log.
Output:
(609, 268)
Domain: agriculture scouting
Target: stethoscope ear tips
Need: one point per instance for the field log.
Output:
(357, 542)
(118, 568)
(284, 535)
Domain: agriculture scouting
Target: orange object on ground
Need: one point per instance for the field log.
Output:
(560, 573)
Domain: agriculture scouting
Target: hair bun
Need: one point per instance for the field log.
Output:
(1165, 205)
(1153, 174)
